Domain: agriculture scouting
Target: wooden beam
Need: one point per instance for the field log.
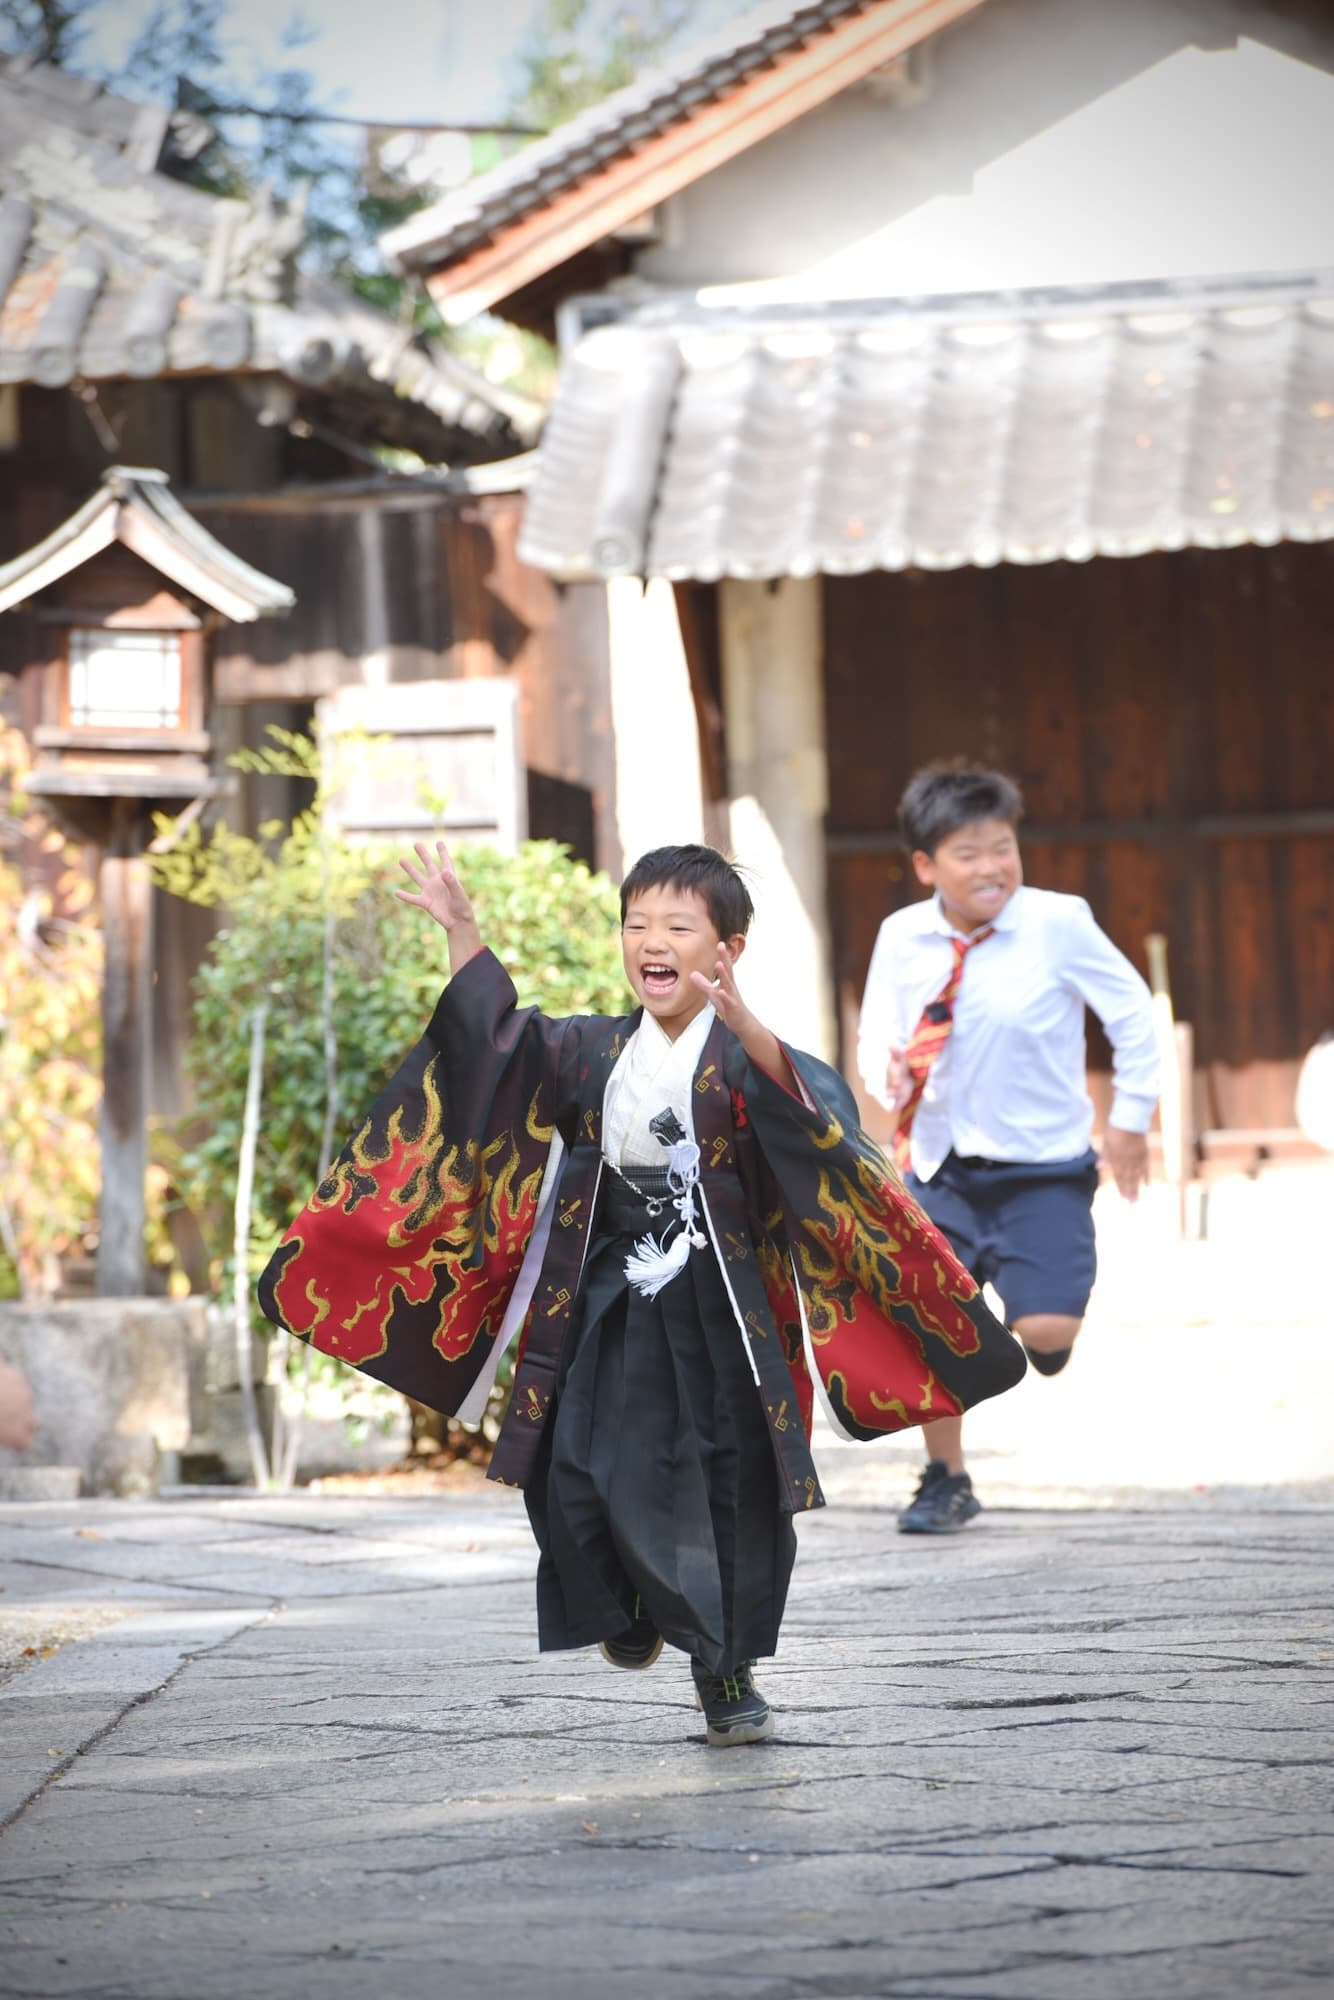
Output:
(841, 56)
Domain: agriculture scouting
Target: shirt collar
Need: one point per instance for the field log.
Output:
(689, 1043)
(1005, 920)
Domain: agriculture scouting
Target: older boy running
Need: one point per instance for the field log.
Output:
(972, 1033)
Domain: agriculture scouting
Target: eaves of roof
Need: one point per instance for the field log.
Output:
(135, 506)
(602, 169)
(932, 433)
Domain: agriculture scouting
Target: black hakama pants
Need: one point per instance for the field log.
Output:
(655, 1489)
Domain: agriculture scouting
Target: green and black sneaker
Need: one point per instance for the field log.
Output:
(639, 1646)
(734, 1709)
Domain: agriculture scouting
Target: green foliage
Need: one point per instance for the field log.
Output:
(583, 50)
(551, 921)
(50, 1050)
(50, 30)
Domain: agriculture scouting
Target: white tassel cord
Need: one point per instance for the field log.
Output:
(654, 1262)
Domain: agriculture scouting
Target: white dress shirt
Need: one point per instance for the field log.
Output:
(1009, 1084)
(654, 1074)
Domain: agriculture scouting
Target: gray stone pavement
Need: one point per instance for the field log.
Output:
(1064, 1756)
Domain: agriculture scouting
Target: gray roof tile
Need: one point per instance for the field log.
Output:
(933, 433)
(109, 267)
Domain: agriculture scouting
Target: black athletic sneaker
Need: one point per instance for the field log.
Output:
(734, 1709)
(639, 1647)
(943, 1503)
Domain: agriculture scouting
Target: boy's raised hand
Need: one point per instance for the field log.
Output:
(722, 991)
(438, 890)
(760, 1043)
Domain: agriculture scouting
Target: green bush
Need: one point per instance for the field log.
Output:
(552, 922)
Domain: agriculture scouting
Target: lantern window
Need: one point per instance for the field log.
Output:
(124, 680)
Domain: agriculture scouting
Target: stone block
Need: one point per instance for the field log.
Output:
(35, 1483)
(111, 1383)
(223, 1437)
(220, 1362)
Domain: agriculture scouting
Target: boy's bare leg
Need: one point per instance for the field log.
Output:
(1046, 1333)
(944, 1440)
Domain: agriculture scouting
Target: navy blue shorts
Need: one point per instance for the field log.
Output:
(1026, 1228)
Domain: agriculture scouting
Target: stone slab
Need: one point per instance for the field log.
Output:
(1059, 1755)
(110, 1381)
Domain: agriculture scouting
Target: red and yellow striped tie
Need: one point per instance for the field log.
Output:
(929, 1038)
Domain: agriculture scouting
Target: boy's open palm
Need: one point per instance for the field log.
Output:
(437, 888)
(722, 992)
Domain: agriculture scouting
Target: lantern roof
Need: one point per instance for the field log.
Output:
(135, 505)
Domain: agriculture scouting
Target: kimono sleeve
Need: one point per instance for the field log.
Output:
(403, 1261)
(899, 1333)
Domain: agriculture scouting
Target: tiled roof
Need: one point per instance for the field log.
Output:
(135, 505)
(938, 432)
(111, 267)
(583, 146)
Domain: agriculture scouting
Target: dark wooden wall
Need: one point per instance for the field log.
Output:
(1171, 720)
(433, 588)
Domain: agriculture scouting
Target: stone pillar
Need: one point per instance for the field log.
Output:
(659, 793)
(773, 685)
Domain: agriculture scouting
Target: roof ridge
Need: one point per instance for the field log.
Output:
(716, 62)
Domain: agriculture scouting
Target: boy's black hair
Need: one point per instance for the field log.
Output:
(702, 871)
(940, 798)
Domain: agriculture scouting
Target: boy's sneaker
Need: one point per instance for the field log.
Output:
(734, 1709)
(943, 1503)
(638, 1647)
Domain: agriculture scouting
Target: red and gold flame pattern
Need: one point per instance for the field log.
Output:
(409, 1232)
(883, 1287)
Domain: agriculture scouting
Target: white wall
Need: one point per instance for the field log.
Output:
(659, 793)
(1051, 142)
(778, 781)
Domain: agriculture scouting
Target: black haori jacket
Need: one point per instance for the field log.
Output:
(461, 1212)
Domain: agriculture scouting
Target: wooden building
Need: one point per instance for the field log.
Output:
(147, 323)
(960, 376)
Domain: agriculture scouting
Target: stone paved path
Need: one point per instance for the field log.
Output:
(1063, 1757)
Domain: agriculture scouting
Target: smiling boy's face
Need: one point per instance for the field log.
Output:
(668, 934)
(975, 871)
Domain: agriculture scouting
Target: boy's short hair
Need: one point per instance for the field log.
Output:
(703, 872)
(940, 798)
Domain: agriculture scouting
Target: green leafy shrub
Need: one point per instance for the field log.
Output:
(50, 1051)
(296, 893)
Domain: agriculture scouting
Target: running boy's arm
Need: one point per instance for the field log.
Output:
(881, 1035)
(1109, 983)
(441, 894)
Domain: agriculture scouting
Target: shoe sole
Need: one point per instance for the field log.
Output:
(631, 1666)
(740, 1732)
(743, 1732)
(939, 1527)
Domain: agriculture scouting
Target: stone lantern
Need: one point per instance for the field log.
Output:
(122, 600)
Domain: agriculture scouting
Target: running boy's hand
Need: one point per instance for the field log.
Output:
(897, 1080)
(1126, 1155)
(440, 893)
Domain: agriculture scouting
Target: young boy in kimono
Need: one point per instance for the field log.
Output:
(678, 1211)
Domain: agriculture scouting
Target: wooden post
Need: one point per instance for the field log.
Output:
(127, 1004)
(1176, 1053)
